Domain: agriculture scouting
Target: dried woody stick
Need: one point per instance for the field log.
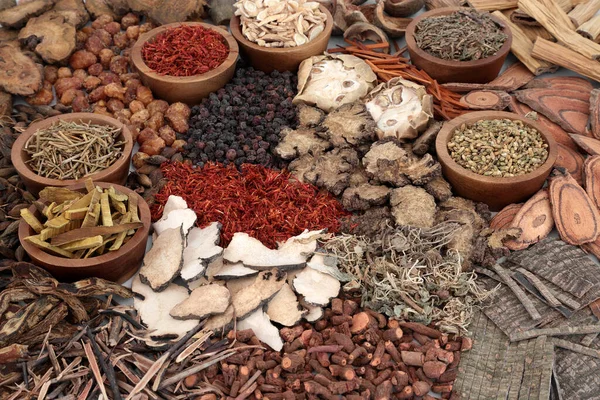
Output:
(563, 331)
(567, 58)
(522, 46)
(526, 301)
(539, 285)
(493, 5)
(584, 12)
(590, 29)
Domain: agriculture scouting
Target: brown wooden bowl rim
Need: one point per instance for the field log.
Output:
(24, 170)
(412, 44)
(444, 136)
(236, 31)
(143, 68)
(141, 235)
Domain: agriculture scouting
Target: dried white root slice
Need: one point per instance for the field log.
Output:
(176, 218)
(173, 203)
(204, 301)
(234, 271)
(262, 327)
(284, 307)
(214, 267)
(222, 321)
(255, 255)
(235, 285)
(328, 265)
(202, 248)
(314, 314)
(316, 287)
(154, 309)
(264, 287)
(164, 260)
(304, 243)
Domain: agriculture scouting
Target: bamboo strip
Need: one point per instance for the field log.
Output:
(584, 12)
(493, 5)
(522, 46)
(562, 331)
(566, 58)
(557, 22)
(590, 29)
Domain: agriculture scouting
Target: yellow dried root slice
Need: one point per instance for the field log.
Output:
(204, 301)
(89, 185)
(57, 222)
(77, 213)
(133, 208)
(83, 233)
(105, 209)
(58, 195)
(120, 237)
(31, 220)
(83, 244)
(534, 219)
(35, 240)
(91, 219)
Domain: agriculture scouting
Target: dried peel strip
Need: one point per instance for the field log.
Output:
(505, 216)
(577, 218)
(534, 219)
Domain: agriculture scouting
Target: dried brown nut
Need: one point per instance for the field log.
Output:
(105, 56)
(144, 95)
(167, 134)
(43, 97)
(118, 65)
(80, 103)
(104, 36)
(68, 96)
(146, 134)
(115, 105)
(113, 28)
(153, 146)
(95, 69)
(97, 94)
(133, 32)
(123, 116)
(160, 106)
(82, 59)
(63, 84)
(64, 72)
(138, 159)
(91, 82)
(109, 77)
(178, 144)
(156, 121)
(115, 90)
(128, 20)
(50, 73)
(94, 45)
(178, 115)
(101, 21)
(80, 73)
(121, 40)
(136, 106)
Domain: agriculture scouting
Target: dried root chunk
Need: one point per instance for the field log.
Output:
(365, 196)
(154, 309)
(164, 11)
(534, 219)
(364, 31)
(413, 206)
(262, 327)
(284, 308)
(439, 188)
(499, 238)
(264, 287)
(401, 109)
(314, 314)
(295, 143)
(253, 254)
(587, 144)
(349, 126)
(304, 243)
(50, 36)
(426, 140)
(369, 223)
(16, 17)
(27, 81)
(222, 321)
(332, 170)
(214, 267)
(203, 301)
(330, 81)
(176, 219)
(74, 12)
(164, 261)
(381, 162)
(97, 8)
(420, 170)
(316, 287)
(462, 241)
(461, 203)
(505, 216)
(234, 271)
(576, 217)
(202, 248)
(309, 116)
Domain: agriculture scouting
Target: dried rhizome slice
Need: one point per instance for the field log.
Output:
(316, 287)
(185, 219)
(505, 216)
(163, 262)
(284, 308)
(576, 217)
(265, 286)
(571, 160)
(534, 219)
(262, 327)
(201, 249)
(587, 144)
(234, 271)
(314, 314)
(222, 321)
(154, 309)
(203, 301)
(235, 285)
(592, 179)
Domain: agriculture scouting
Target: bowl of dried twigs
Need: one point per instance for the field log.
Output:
(480, 70)
(513, 175)
(117, 265)
(67, 152)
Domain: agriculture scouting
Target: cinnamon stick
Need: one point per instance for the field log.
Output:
(565, 57)
(590, 29)
(583, 12)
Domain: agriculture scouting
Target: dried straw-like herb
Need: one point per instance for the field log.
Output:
(403, 274)
(460, 36)
(71, 150)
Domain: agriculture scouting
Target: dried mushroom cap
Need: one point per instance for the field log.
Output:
(202, 248)
(400, 108)
(316, 287)
(264, 287)
(163, 262)
(154, 309)
(220, 322)
(295, 143)
(284, 308)
(203, 301)
(263, 329)
(177, 218)
(330, 81)
(314, 314)
(234, 271)
(413, 206)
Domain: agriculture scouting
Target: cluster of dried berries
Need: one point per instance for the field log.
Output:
(241, 122)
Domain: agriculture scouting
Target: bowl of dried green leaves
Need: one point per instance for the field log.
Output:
(495, 157)
(66, 149)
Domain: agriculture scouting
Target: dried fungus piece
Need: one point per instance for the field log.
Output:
(439, 188)
(263, 329)
(330, 81)
(576, 217)
(201, 249)
(284, 308)
(17, 17)
(401, 109)
(295, 143)
(317, 288)
(413, 206)
(18, 73)
(534, 219)
(154, 309)
(51, 36)
(204, 301)
(505, 216)
(264, 287)
(164, 261)
(309, 116)
(365, 196)
(382, 162)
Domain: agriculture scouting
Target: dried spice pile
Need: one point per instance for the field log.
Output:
(268, 205)
(185, 50)
(241, 122)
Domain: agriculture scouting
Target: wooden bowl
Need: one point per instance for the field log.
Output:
(268, 59)
(478, 71)
(186, 89)
(116, 173)
(496, 192)
(117, 266)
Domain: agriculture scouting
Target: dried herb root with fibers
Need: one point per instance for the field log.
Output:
(460, 36)
(498, 147)
(186, 50)
(73, 150)
(270, 206)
